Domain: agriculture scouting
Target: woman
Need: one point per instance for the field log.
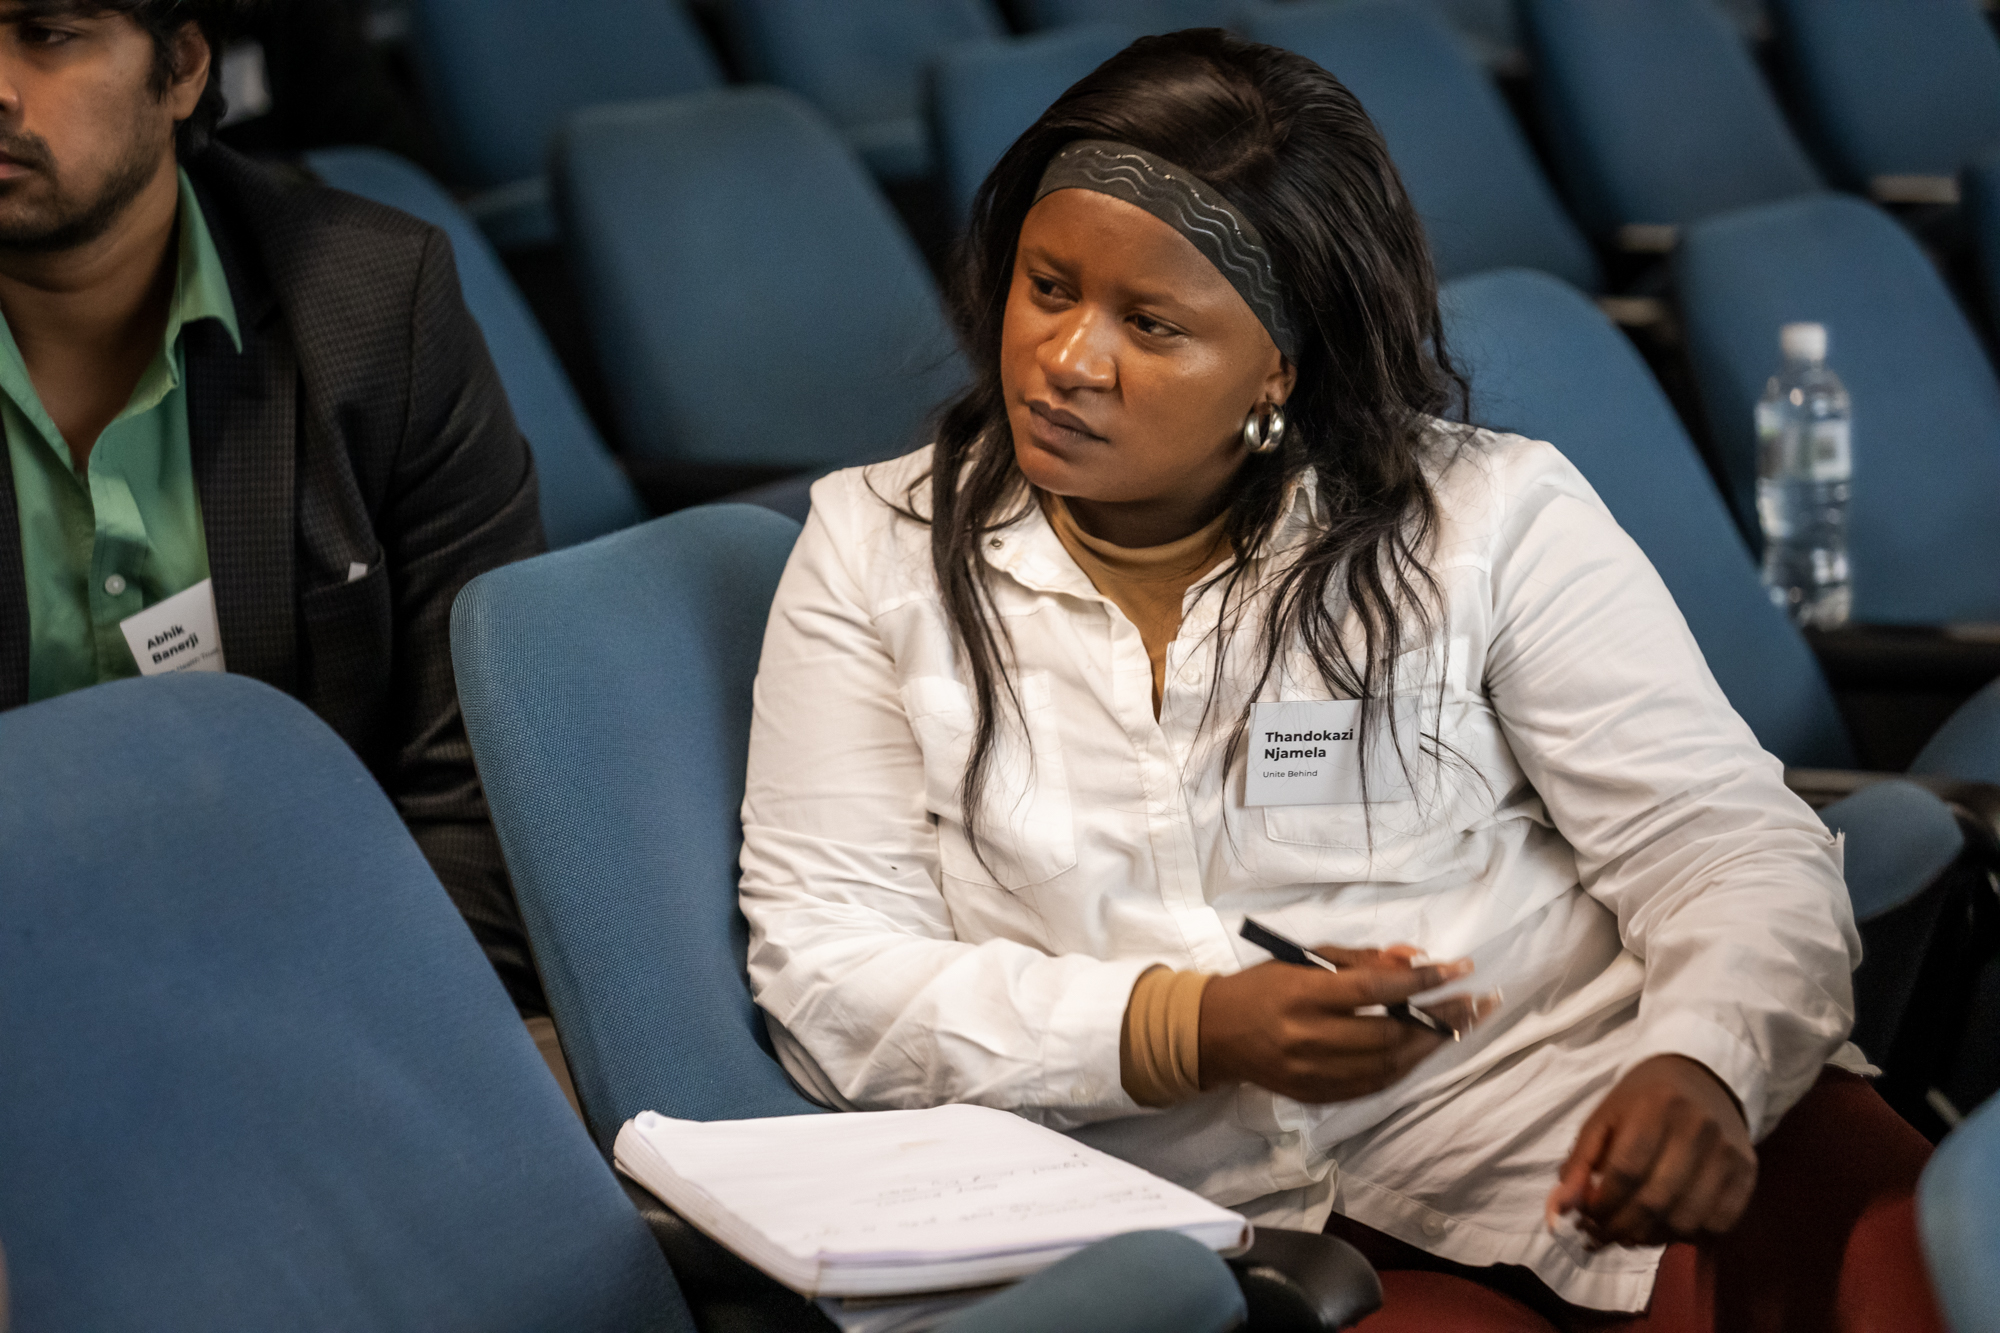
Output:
(1196, 612)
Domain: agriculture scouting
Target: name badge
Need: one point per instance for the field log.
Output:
(1307, 752)
(179, 634)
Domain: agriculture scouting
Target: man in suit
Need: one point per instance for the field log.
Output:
(255, 398)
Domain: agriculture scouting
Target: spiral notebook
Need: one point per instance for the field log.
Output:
(883, 1203)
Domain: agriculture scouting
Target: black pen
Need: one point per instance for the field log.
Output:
(1291, 951)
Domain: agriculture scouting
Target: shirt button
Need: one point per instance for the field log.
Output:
(115, 585)
(1434, 1227)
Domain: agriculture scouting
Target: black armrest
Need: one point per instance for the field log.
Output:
(722, 1290)
(1948, 659)
(1975, 804)
(1303, 1282)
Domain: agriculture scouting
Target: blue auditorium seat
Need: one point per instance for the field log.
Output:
(584, 492)
(753, 298)
(255, 1074)
(500, 75)
(1466, 166)
(1544, 362)
(1490, 29)
(862, 63)
(1894, 89)
(254, 1071)
(984, 94)
(615, 779)
(1657, 116)
(1923, 543)
(1958, 1216)
(1138, 15)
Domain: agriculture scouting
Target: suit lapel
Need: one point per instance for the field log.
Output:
(243, 432)
(13, 599)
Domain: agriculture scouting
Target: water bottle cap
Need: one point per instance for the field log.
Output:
(1803, 342)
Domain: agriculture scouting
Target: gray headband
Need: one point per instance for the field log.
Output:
(1191, 207)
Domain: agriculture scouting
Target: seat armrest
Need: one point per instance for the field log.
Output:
(1940, 659)
(1303, 1282)
(705, 1268)
(1976, 805)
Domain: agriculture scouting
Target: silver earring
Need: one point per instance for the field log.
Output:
(1264, 429)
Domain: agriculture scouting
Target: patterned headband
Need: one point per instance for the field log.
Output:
(1191, 207)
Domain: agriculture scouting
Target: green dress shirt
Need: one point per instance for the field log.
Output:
(125, 533)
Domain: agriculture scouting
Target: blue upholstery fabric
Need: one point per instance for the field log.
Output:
(1923, 543)
(862, 63)
(1893, 86)
(254, 1072)
(1546, 363)
(984, 94)
(1655, 112)
(1968, 744)
(1138, 15)
(1958, 1216)
(753, 297)
(1490, 29)
(1464, 162)
(1900, 838)
(1141, 1282)
(584, 492)
(500, 75)
(615, 776)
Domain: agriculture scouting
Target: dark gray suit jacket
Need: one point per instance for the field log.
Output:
(362, 424)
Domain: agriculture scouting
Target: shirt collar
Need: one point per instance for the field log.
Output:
(201, 288)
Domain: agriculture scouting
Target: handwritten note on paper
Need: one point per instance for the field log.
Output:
(950, 1183)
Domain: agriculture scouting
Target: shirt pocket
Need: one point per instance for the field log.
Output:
(1027, 829)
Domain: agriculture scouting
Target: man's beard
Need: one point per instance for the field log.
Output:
(67, 222)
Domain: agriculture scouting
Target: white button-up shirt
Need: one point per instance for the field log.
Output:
(1605, 839)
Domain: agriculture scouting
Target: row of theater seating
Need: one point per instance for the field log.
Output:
(755, 301)
(255, 1073)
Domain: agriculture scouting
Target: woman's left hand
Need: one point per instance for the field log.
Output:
(1665, 1157)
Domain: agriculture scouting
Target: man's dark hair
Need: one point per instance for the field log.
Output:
(163, 20)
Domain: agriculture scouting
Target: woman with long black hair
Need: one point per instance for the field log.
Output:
(1199, 613)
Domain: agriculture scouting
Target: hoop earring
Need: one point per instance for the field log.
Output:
(1264, 429)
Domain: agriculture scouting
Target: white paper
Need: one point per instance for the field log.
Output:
(1305, 752)
(939, 1194)
(179, 634)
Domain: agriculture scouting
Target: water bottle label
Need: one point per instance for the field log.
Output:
(1829, 457)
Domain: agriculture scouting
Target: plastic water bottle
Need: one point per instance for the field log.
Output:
(1805, 469)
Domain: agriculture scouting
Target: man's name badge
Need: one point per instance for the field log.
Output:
(1308, 752)
(179, 634)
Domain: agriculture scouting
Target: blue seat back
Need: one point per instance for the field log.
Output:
(1924, 545)
(985, 94)
(1545, 363)
(753, 297)
(862, 63)
(1656, 114)
(615, 776)
(1466, 166)
(1893, 87)
(584, 492)
(1138, 15)
(254, 1071)
(1490, 30)
(1958, 1216)
(500, 75)
(1967, 746)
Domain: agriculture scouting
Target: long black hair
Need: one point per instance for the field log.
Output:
(1290, 148)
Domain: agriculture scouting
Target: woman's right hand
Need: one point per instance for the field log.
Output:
(1293, 1030)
